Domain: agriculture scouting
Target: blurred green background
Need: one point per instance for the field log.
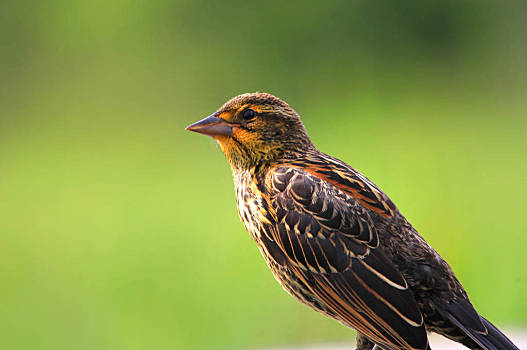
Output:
(118, 229)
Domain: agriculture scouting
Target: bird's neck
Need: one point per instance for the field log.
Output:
(256, 172)
(259, 165)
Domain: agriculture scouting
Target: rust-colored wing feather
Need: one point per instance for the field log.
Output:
(348, 180)
(326, 237)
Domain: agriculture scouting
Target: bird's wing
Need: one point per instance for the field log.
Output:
(328, 240)
(348, 180)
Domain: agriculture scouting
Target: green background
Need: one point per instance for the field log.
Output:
(118, 229)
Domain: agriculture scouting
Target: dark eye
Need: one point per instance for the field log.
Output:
(248, 114)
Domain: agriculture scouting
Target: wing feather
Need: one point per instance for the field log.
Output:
(330, 244)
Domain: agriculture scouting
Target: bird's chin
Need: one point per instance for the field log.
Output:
(226, 144)
(222, 140)
(233, 151)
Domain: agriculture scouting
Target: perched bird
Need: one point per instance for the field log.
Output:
(334, 240)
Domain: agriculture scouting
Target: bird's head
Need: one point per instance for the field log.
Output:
(255, 128)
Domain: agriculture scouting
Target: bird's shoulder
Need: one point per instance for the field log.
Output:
(346, 179)
(309, 205)
(321, 228)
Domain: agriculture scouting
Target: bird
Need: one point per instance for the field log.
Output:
(334, 240)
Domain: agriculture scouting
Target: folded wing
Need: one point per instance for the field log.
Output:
(328, 240)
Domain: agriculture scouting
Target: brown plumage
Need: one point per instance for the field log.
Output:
(334, 240)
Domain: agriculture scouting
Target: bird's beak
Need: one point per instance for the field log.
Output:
(212, 126)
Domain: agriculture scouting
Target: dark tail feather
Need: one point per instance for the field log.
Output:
(497, 338)
(493, 339)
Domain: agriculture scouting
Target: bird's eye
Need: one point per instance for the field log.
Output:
(248, 114)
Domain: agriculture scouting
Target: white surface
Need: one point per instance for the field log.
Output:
(436, 341)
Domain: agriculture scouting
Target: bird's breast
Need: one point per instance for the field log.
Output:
(249, 203)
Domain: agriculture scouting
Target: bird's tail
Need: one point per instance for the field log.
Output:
(492, 339)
